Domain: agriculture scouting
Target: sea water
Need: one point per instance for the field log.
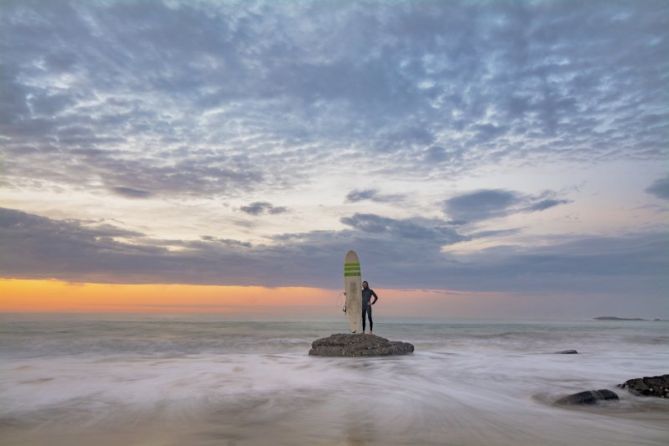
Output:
(196, 380)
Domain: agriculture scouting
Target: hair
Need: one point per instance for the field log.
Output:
(365, 282)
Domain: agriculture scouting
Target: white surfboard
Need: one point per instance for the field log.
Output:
(353, 289)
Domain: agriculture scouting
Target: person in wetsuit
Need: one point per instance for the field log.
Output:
(367, 294)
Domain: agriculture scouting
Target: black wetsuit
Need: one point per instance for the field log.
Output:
(367, 294)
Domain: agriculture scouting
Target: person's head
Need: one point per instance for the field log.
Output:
(365, 284)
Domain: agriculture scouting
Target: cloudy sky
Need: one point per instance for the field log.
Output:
(511, 147)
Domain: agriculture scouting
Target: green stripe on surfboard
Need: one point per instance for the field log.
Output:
(356, 274)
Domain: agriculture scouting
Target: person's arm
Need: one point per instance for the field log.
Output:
(375, 297)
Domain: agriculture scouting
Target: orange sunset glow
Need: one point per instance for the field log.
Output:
(60, 296)
(27, 295)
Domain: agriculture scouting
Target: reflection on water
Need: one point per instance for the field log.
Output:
(198, 382)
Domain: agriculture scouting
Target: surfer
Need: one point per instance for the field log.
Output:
(367, 294)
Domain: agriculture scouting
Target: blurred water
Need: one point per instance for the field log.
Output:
(200, 381)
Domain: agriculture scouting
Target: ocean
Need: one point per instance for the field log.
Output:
(201, 380)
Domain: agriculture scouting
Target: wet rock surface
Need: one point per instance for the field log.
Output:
(588, 397)
(657, 386)
(567, 352)
(358, 345)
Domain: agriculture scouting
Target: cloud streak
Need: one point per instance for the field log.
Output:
(660, 188)
(358, 195)
(129, 192)
(472, 207)
(262, 207)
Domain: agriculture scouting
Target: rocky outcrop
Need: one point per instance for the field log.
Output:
(358, 345)
(657, 386)
(567, 352)
(588, 397)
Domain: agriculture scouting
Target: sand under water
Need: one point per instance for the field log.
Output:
(164, 380)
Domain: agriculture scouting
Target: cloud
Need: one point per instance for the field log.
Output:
(485, 204)
(545, 204)
(263, 207)
(434, 231)
(204, 98)
(130, 192)
(226, 241)
(480, 205)
(357, 195)
(438, 155)
(660, 188)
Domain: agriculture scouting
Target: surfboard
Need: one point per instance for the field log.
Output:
(353, 289)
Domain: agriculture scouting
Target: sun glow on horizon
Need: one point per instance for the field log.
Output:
(58, 296)
(21, 295)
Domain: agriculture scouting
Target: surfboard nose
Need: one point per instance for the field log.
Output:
(351, 256)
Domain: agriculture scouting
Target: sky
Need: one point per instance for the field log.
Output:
(484, 158)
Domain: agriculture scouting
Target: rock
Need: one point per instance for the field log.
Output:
(588, 397)
(567, 352)
(657, 386)
(358, 345)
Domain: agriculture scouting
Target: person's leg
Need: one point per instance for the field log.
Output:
(363, 318)
(371, 323)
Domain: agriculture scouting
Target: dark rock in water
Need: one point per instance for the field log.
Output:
(567, 352)
(588, 397)
(648, 386)
(358, 345)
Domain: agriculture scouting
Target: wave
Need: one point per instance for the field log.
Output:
(207, 383)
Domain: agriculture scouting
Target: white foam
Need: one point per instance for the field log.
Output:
(472, 388)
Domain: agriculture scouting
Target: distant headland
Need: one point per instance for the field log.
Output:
(614, 318)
